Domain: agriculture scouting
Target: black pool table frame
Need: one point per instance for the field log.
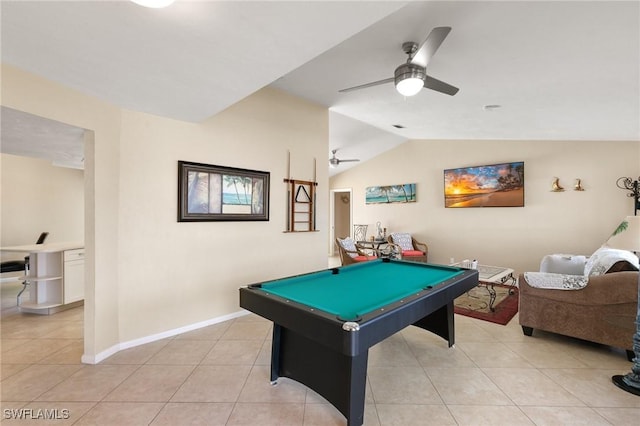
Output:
(312, 347)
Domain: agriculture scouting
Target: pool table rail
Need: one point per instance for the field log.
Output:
(420, 309)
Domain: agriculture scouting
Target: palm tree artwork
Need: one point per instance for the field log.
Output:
(405, 193)
(237, 190)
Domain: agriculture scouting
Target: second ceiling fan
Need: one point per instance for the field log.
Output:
(335, 162)
(411, 77)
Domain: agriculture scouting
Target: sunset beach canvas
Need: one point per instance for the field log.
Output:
(496, 185)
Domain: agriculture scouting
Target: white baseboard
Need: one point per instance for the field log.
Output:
(99, 357)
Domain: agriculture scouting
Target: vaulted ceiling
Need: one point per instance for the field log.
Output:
(556, 70)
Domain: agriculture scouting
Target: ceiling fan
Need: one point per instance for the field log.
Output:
(410, 77)
(335, 162)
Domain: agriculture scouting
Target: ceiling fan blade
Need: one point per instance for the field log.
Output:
(440, 86)
(345, 161)
(429, 47)
(364, 86)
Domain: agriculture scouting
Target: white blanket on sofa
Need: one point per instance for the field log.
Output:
(598, 264)
(556, 281)
(605, 257)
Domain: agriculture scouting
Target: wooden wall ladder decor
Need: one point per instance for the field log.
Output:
(301, 202)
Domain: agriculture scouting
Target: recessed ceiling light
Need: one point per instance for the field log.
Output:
(156, 4)
(491, 107)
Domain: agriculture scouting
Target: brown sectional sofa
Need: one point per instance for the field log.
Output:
(602, 312)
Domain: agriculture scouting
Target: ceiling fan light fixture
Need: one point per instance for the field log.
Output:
(155, 4)
(409, 86)
(409, 79)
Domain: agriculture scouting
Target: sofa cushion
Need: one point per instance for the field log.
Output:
(403, 240)
(412, 253)
(364, 258)
(603, 259)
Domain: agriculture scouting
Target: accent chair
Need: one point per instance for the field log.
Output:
(351, 252)
(408, 247)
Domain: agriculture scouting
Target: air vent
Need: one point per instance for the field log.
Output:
(398, 126)
(491, 107)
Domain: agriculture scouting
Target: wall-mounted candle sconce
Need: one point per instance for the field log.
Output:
(555, 185)
(578, 185)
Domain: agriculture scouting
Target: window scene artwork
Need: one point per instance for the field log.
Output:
(215, 193)
(405, 193)
(496, 185)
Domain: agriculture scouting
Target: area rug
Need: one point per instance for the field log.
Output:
(475, 304)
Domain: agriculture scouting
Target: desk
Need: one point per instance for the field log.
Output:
(55, 276)
(325, 322)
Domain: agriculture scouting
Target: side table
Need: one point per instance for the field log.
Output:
(489, 276)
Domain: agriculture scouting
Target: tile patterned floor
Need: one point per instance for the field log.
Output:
(218, 375)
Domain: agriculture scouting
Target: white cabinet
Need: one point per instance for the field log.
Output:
(55, 276)
(73, 276)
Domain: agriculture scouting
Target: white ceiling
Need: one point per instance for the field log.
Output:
(28, 135)
(559, 70)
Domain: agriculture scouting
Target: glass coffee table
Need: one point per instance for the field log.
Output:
(489, 276)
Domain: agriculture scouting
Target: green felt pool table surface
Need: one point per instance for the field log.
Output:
(360, 288)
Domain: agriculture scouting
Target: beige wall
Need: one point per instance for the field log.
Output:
(181, 273)
(566, 222)
(38, 197)
(147, 274)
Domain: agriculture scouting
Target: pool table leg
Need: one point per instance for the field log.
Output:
(441, 323)
(339, 378)
(275, 353)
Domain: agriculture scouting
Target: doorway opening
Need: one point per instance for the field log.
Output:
(48, 151)
(341, 213)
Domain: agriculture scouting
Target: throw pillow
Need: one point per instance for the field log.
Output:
(349, 245)
(403, 240)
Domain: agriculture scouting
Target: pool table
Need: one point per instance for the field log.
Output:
(325, 322)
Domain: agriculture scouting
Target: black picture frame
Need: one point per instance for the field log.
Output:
(210, 193)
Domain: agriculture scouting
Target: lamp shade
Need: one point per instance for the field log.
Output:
(627, 235)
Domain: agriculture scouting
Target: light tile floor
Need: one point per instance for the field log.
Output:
(218, 375)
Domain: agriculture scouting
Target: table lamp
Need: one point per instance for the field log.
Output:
(627, 237)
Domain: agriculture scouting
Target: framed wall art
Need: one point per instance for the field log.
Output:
(495, 185)
(215, 193)
(405, 193)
